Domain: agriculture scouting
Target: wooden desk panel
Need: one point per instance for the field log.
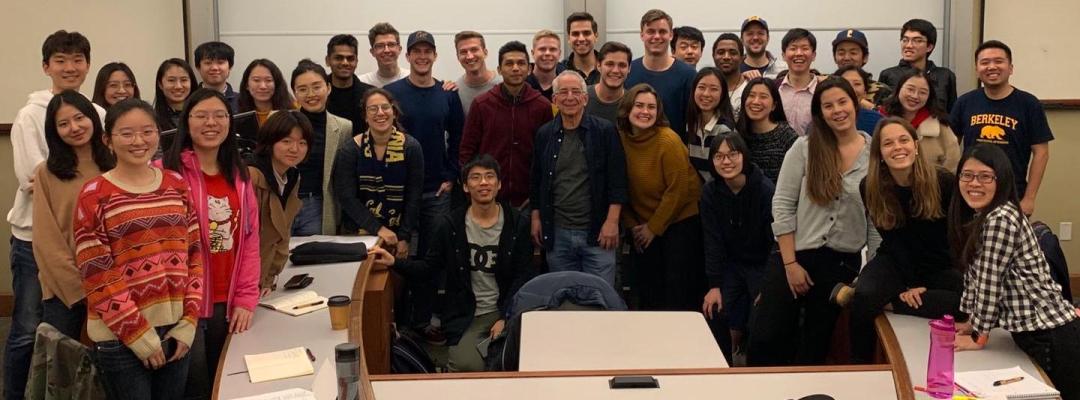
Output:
(378, 314)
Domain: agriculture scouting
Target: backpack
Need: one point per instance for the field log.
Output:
(1051, 249)
(409, 357)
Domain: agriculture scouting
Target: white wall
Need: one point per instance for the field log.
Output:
(1042, 37)
(137, 32)
(879, 20)
(274, 29)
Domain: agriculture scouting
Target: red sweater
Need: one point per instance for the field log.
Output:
(505, 128)
(139, 253)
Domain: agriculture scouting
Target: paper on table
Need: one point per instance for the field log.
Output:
(981, 383)
(288, 394)
(278, 365)
(295, 304)
(325, 385)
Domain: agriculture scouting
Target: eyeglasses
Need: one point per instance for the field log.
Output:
(128, 136)
(985, 178)
(917, 40)
(202, 117)
(570, 92)
(732, 156)
(314, 89)
(477, 178)
(384, 46)
(374, 108)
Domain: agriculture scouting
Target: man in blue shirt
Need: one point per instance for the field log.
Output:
(670, 77)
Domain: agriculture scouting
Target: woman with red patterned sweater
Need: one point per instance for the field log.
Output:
(138, 249)
(206, 155)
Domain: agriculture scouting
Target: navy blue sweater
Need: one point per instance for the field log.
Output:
(738, 227)
(435, 118)
(673, 85)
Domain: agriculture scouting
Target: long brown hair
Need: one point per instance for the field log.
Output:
(823, 175)
(881, 202)
(627, 103)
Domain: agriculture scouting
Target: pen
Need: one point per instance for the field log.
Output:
(1008, 381)
(307, 305)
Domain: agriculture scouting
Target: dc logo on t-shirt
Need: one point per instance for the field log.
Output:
(483, 258)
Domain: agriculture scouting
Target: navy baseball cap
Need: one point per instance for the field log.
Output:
(419, 37)
(851, 35)
(754, 20)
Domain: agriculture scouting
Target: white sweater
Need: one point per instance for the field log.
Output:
(29, 150)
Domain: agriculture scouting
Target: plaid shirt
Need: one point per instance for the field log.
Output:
(1008, 284)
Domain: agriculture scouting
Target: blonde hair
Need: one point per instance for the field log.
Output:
(545, 33)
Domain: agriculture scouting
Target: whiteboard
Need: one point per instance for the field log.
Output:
(1041, 35)
(285, 31)
(879, 20)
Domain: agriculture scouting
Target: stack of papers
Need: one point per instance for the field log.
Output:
(278, 365)
(298, 303)
(1013, 383)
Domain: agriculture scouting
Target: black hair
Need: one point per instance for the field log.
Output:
(281, 100)
(865, 76)
(342, 39)
(62, 160)
(965, 225)
(580, 16)
(306, 65)
(398, 115)
(725, 116)
(123, 108)
(65, 42)
(513, 46)
(923, 27)
(485, 161)
(279, 126)
(745, 126)
(161, 104)
(102, 82)
(893, 105)
(796, 34)
(688, 33)
(228, 158)
(736, 143)
(732, 37)
(614, 47)
(214, 51)
(994, 44)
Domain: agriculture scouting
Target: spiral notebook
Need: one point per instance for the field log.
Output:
(1021, 385)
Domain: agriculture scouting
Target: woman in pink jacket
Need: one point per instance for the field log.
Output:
(206, 155)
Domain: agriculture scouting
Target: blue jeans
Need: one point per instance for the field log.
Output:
(309, 221)
(125, 377)
(571, 251)
(68, 321)
(25, 317)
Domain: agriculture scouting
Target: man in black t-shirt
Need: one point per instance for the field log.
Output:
(1003, 115)
(348, 93)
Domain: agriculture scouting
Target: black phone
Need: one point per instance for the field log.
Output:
(298, 282)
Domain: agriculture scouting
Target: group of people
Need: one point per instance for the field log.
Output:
(746, 190)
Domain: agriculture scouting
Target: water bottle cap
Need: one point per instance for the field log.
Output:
(346, 352)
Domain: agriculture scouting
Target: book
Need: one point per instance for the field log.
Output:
(1021, 384)
(278, 365)
(294, 304)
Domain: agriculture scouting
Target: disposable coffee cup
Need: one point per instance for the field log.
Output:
(339, 312)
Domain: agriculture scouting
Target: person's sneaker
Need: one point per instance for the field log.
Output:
(433, 335)
(842, 294)
(738, 358)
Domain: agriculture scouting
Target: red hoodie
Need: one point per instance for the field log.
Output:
(505, 127)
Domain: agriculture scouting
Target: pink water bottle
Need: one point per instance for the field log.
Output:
(939, 368)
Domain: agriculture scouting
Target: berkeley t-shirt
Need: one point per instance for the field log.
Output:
(483, 256)
(1014, 124)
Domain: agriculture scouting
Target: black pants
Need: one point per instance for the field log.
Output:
(775, 335)
(205, 351)
(1056, 351)
(671, 271)
(880, 283)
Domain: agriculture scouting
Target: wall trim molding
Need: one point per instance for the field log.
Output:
(5, 129)
(7, 303)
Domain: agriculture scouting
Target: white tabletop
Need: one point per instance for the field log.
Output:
(607, 340)
(273, 331)
(913, 333)
(772, 386)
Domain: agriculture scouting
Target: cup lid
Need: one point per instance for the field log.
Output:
(338, 300)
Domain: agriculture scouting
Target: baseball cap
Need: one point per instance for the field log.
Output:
(419, 37)
(754, 19)
(851, 35)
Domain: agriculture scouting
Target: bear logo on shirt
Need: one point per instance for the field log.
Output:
(991, 132)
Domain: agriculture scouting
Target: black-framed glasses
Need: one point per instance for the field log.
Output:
(983, 177)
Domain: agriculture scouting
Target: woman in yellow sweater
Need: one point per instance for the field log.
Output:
(663, 213)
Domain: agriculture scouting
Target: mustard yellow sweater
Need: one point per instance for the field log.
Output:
(663, 186)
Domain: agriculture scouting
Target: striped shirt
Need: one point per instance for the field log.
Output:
(1008, 283)
(138, 250)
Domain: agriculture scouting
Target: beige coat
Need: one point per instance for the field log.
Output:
(275, 226)
(938, 144)
(338, 130)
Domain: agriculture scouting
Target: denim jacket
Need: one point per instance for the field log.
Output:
(606, 166)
